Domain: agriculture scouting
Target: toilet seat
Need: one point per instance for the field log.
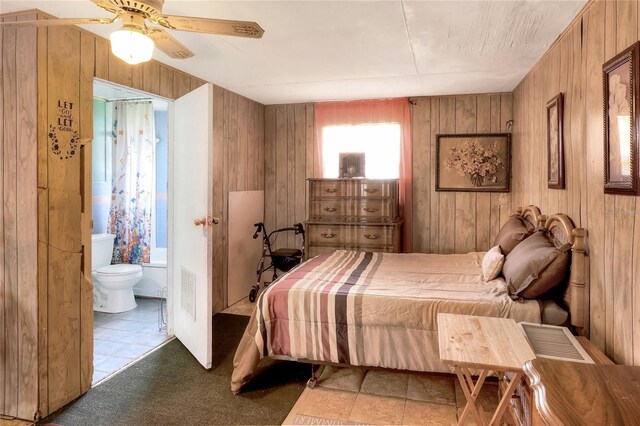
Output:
(122, 269)
(113, 287)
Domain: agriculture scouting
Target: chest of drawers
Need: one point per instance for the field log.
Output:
(353, 214)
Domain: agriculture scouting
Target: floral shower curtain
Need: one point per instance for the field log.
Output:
(131, 195)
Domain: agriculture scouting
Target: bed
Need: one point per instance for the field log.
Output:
(380, 309)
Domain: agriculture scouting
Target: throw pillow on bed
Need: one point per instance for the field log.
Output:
(514, 230)
(492, 263)
(536, 266)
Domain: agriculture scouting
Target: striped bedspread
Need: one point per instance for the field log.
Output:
(370, 309)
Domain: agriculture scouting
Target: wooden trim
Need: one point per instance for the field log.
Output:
(8, 313)
(27, 217)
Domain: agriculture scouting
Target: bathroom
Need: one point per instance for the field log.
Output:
(129, 242)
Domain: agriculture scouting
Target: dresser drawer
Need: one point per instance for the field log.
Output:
(328, 209)
(340, 235)
(353, 210)
(386, 188)
(314, 251)
(340, 188)
(375, 210)
(328, 189)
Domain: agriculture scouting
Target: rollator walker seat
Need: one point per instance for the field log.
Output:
(282, 259)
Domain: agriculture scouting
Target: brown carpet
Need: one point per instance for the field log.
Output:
(169, 387)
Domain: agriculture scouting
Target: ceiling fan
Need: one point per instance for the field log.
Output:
(135, 41)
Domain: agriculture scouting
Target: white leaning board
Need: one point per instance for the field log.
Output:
(245, 209)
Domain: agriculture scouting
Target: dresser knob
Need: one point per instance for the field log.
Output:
(330, 209)
(330, 190)
(369, 209)
(371, 237)
(327, 235)
(370, 190)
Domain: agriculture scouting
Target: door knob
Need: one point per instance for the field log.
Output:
(206, 221)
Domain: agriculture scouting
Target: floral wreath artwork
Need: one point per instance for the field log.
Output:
(55, 143)
(473, 162)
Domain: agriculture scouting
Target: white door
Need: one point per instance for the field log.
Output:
(190, 226)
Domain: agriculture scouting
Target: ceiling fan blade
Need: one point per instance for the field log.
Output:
(107, 6)
(58, 22)
(211, 26)
(168, 44)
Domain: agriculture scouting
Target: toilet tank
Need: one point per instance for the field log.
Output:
(101, 250)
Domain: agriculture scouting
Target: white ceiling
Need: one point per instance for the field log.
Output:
(345, 50)
(113, 92)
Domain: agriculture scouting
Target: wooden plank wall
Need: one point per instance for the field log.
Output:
(18, 216)
(238, 132)
(47, 353)
(448, 222)
(290, 158)
(573, 66)
(443, 222)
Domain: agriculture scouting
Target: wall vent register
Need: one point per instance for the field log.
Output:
(550, 341)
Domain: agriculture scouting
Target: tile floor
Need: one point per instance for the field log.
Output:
(242, 307)
(120, 339)
(381, 397)
(358, 396)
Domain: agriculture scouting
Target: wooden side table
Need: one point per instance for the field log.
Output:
(486, 344)
(571, 393)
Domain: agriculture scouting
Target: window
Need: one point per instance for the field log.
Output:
(380, 143)
(161, 180)
(381, 128)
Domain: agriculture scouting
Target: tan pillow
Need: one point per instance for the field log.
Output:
(492, 263)
(514, 230)
(535, 267)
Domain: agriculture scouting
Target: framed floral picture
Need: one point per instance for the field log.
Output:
(621, 96)
(555, 143)
(473, 162)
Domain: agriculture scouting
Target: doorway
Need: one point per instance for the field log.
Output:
(130, 205)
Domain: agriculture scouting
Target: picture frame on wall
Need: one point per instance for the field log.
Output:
(555, 143)
(621, 98)
(473, 162)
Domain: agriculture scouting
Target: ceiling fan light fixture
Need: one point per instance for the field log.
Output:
(131, 45)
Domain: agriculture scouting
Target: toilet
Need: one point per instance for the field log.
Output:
(112, 284)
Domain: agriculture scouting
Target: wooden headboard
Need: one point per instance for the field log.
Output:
(563, 231)
(577, 295)
(531, 214)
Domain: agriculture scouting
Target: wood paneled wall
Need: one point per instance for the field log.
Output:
(46, 349)
(454, 222)
(18, 219)
(442, 222)
(290, 158)
(238, 155)
(573, 66)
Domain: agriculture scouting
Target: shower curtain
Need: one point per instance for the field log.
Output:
(131, 197)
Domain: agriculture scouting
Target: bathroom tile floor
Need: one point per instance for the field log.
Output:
(120, 339)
